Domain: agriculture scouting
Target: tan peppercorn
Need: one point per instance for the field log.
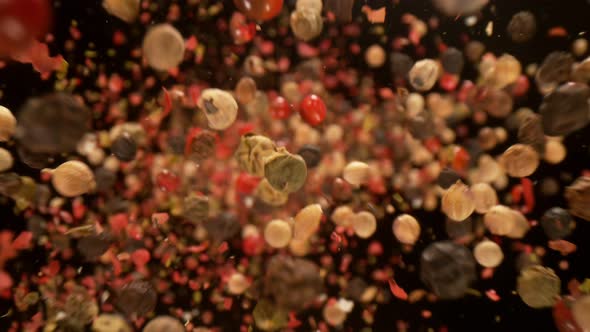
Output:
(252, 153)
(424, 74)
(110, 323)
(333, 314)
(6, 160)
(406, 229)
(581, 310)
(237, 284)
(499, 220)
(220, 107)
(555, 151)
(458, 202)
(245, 90)
(126, 10)
(163, 47)
(7, 124)
(278, 233)
(580, 46)
(488, 254)
(538, 286)
(375, 56)
(578, 197)
(364, 224)
(485, 197)
(269, 195)
(520, 160)
(73, 178)
(307, 221)
(342, 216)
(356, 173)
(164, 323)
(306, 24)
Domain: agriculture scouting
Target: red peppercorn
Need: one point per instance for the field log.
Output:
(449, 82)
(261, 10)
(24, 21)
(280, 108)
(313, 110)
(246, 183)
(167, 181)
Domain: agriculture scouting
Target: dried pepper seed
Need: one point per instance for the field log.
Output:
(306, 24)
(424, 74)
(253, 152)
(278, 233)
(499, 220)
(520, 160)
(201, 146)
(557, 223)
(566, 109)
(269, 195)
(356, 173)
(364, 224)
(6, 160)
(245, 90)
(164, 323)
(485, 197)
(578, 197)
(452, 61)
(285, 171)
(488, 254)
(260, 10)
(555, 151)
(580, 309)
(268, 317)
(7, 124)
(137, 297)
(237, 284)
(52, 124)
(375, 56)
(531, 132)
(81, 307)
(195, 208)
(522, 27)
(307, 221)
(73, 178)
(313, 110)
(458, 202)
(448, 269)
(221, 109)
(538, 286)
(292, 283)
(406, 229)
(555, 69)
(110, 323)
(311, 154)
(124, 147)
(126, 10)
(163, 47)
(93, 246)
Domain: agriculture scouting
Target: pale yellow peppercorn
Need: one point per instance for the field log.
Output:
(499, 220)
(375, 56)
(364, 224)
(163, 47)
(485, 197)
(458, 202)
(488, 254)
(73, 178)
(342, 216)
(307, 221)
(356, 173)
(220, 108)
(164, 323)
(406, 229)
(6, 160)
(126, 10)
(424, 74)
(333, 314)
(110, 323)
(7, 124)
(520, 160)
(278, 233)
(555, 151)
(237, 284)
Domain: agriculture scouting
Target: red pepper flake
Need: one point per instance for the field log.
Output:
(492, 295)
(5, 281)
(160, 218)
(397, 291)
(563, 246)
(516, 194)
(140, 257)
(293, 321)
(557, 32)
(223, 247)
(529, 194)
(119, 222)
(227, 303)
(22, 241)
(167, 103)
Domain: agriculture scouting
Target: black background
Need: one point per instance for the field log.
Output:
(472, 313)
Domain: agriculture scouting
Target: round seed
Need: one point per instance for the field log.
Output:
(520, 160)
(277, 233)
(458, 202)
(364, 224)
(221, 109)
(485, 197)
(164, 323)
(424, 74)
(73, 178)
(488, 253)
(163, 47)
(7, 124)
(406, 229)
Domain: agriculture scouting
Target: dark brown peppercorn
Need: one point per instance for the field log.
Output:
(447, 178)
(124, 147)
(311, 154)
(52, 124)
(137, 297)
(10, 183)
(531, 132)
(401, 65)
(105, 179)
(196, 208)
(222, 228)
(93, 246)
(557, 223)
(292, 283)
(578, 197)
(202, 146)
(452, 60)
(522, 27)
(566, 109)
